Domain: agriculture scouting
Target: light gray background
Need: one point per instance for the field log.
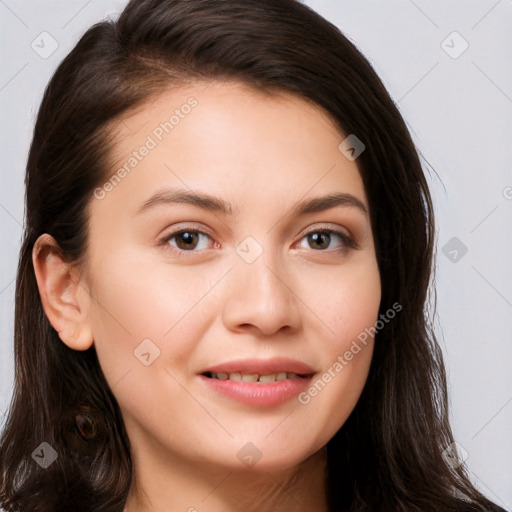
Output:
(459, 111)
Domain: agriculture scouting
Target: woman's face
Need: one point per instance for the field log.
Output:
(268, 280)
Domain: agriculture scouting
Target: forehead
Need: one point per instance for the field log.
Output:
(229, 136)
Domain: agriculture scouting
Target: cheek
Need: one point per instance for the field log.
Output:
(348, 305)
(134, 302)
(345, 300)
(145, 325)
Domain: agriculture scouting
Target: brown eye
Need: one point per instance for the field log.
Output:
(322, 239)
(187, 240)
(319, 240)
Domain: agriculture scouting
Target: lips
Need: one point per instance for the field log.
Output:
(258, 382)
(262, 367)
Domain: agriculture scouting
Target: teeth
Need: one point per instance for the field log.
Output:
(254, 377)
(250, 377)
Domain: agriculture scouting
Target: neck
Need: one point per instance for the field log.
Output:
(182, 486)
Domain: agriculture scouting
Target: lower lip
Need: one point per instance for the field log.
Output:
(263, 395)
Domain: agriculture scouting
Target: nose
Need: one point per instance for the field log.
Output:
(260, 297)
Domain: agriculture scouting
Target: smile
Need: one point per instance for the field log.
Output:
(257, 382)
(253, 377)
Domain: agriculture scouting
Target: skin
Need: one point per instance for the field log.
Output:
(263, 154)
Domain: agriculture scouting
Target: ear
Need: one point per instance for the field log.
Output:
(64, 298)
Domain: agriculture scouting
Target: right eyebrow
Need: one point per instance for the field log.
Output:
(173, 195)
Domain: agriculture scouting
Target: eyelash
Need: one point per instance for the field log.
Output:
(347, 241)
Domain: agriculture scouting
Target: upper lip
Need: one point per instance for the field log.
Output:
(262, 366)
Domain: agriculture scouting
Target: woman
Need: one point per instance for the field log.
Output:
(221, 290)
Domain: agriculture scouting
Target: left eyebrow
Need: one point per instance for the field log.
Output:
(319, 204)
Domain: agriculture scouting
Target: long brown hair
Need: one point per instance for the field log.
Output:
(389, 454)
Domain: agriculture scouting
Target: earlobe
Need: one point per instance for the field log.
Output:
(64, 299)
